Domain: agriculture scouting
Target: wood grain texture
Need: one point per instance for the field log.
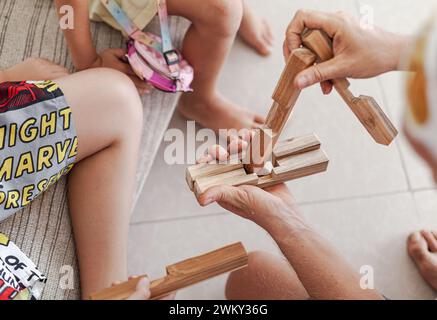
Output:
(208, 170)
(296, 145)
(260, 150)
(184, 274)
(294, 166)
(234, 181)
(284, 97)
(366, 109)
(286, 94)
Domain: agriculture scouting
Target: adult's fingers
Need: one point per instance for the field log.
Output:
(312, 20)
(231, 198)
(331, 69)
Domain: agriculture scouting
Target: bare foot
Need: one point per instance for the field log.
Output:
(217, 113)
(422, 248)
(256, 32)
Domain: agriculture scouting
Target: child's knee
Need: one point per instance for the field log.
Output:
(224, 16)
(126, 104)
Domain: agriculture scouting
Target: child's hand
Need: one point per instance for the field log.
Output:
(143, 290)
(114, 59)
(34, 69)
(236, 146)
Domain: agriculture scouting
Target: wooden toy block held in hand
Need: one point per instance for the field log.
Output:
(294, 158)
(184, 274)
(285, 97)
(366, 109)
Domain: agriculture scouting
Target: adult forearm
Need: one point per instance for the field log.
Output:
(322, 271)
(402, 46)
(79, 38)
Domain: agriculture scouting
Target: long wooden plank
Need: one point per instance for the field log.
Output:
(209, 181)
(302, 161)
(208, 170)
(304, 165)
(366, 109)
(235, 181)
(184, 274)
(286, 93)
(296, 145)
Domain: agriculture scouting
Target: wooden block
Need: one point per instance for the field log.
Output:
(285, 97)
(297, 166)
(235, 181)
(300, 160)
(195, 270)
(365, 108)
(184, 274)
(301, 165)
(208, 182)
(259, 151)
(208, 170)
(286, 94)
(297, 145)
(374, 120)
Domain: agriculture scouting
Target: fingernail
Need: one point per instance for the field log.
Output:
(302, 82)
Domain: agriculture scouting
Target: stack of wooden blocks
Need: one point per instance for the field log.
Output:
(292, 159)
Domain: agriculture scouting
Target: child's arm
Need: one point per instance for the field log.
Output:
(79, 38)
(82, 49)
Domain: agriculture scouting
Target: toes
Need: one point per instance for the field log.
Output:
(430, 239)
(417, 247)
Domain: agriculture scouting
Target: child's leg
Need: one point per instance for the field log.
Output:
(207, 43)
(256, 31)
(267, 277)
(108, 116)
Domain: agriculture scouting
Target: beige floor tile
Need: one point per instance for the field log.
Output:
(373, 231)
(166, 194)
(154, 246)
(426, 202)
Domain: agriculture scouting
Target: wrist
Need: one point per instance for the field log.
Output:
(398, 47)
(87, 63)
(284, 223)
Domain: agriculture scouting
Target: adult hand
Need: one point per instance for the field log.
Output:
(114, 59)
(358, 52)
(34, 69)
(268, 208)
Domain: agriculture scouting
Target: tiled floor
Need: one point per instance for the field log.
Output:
(371, 198)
